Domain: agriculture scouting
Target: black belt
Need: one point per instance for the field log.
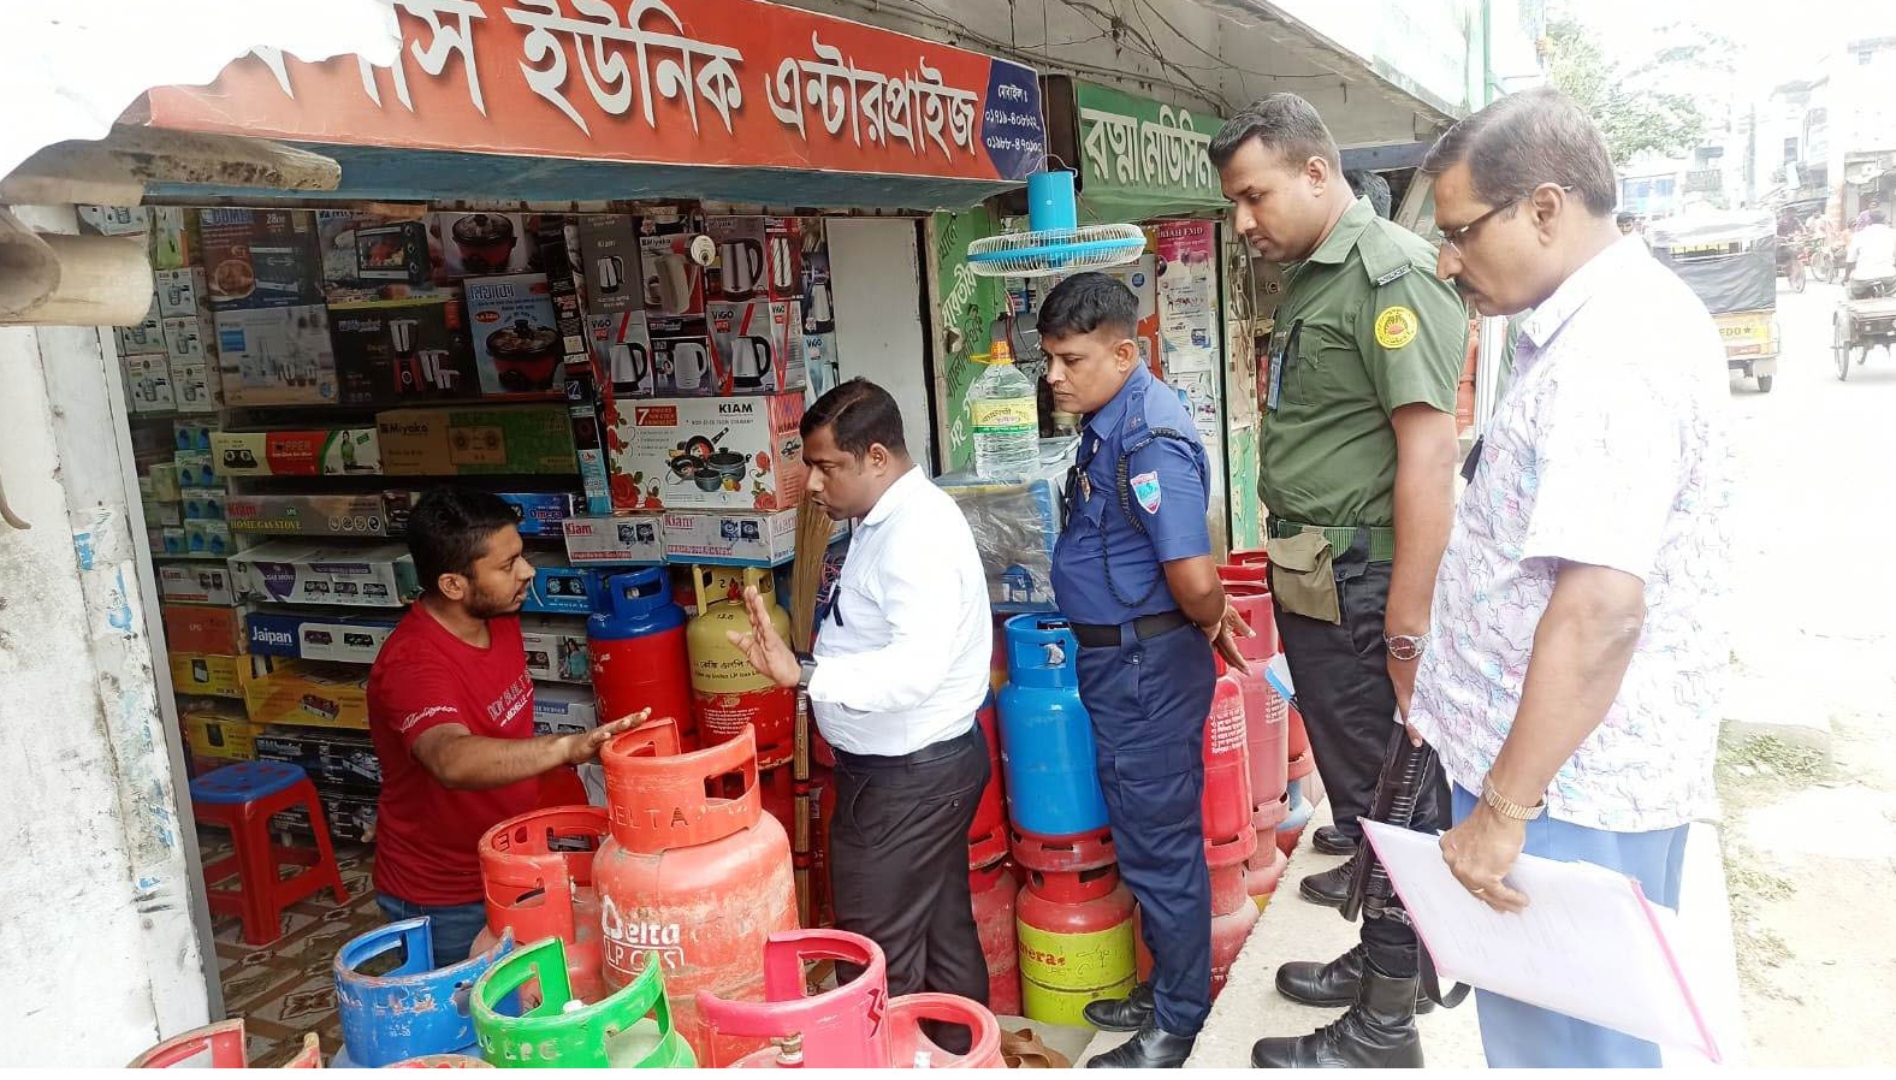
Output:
(1143, 627)
(935, 751)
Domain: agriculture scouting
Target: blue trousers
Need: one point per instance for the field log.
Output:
(1518, 1036)
(452, 929)
(1148, 701)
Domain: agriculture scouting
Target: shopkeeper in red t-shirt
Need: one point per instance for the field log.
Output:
(451, 712)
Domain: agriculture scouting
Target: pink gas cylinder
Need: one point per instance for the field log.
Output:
(987, 836)
(1225, 811)
(537, 871)
(694, 875)
(992, 889)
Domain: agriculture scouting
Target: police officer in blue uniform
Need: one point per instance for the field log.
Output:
(1134, 575)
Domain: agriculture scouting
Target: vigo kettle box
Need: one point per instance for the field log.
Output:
(713, 453)
(682, 362)
(674, 281)
(511, 440)
(758, 347)
(622, 347)
(758, 258)
(517, 342)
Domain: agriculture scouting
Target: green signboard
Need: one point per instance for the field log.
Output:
(1141, 159)
(967, 307)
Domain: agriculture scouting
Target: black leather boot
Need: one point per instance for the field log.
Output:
(1332, 985)
(1129, 1013)
(1329, 887)
(1331, 840)
(1377, 1033)
(1152, 1048)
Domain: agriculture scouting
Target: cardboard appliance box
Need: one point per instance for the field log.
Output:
(211, 675)
(190, 338)
(521, 440)
(277, 356)
(164, 481)
(714, 453)
(260, 258)
(201, 583)
(609, 254)
(334, 760)
(556, 650)
(192, 436)
(307, 515)
(350, 817)
(622, 347)
(206, 504)
(759, 258)
(182, 294)
(541, 513)
(564, 710)
(518, 348)
(207, 537)
(322, 636)
(145, 336)
(403, 351)
(175, 243)
(558, 588)
(209, 631)
(287, 571)
(220, 737)
(302, 693)
(819, 297)
(1015, 529)
(674, 282)
(172, 540)
(196, 469)
(374, 256)
(464, 243)
(121, 221)
(757, 347)
(683, 364)
(733, 537)
(196, 386)
(163, 515)
(148, 384)
(331, 452)
(623, 540)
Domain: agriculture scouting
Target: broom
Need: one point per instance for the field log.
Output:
(806, 576)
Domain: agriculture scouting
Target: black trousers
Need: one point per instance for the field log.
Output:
(1348, 705)
(899, 866)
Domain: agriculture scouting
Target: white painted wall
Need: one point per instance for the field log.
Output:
(876, 273)
(99, 920)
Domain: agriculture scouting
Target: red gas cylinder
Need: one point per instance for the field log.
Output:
(537, 871)
(777, 790)
(1267, 816)
(636, 639)
(987, 837)
(1246, 566)
(1225, 811)
(1266, 714)
(1267, 869)
(992, 889)
(1231, 851)
(1301, 763)
(915, 1050)
(1252, 601)
(1061, 854)
(694, 874)
(1234, 914)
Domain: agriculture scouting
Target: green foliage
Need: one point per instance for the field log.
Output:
(1635, 110)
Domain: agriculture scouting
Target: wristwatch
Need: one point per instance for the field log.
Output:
(1507, 807)
(808, 665)
(1406, 647)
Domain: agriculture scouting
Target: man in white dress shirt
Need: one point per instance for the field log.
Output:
(901, 667)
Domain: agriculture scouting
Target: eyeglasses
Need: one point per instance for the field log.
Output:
(1454, 238)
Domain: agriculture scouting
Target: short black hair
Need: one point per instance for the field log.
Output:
(859, 415)
(1285, 123)
(1371, 186)
(1525, 140)
(449, 528)
(1085, 302)
(1625, 218)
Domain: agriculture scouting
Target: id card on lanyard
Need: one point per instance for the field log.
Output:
(1279, 357)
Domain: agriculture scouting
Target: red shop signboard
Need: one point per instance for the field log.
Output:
(727, 82)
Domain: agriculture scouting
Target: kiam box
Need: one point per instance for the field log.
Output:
(733, 537)
(197, 584)
(713, 453)
(625, 540)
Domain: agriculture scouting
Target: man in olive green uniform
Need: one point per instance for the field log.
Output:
(1357, 473)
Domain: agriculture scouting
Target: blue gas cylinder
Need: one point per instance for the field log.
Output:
(413, 1010)
(636, 639)
(1046, 736)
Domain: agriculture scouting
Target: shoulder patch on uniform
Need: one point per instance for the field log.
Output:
(1145, 488)
(1395, 327)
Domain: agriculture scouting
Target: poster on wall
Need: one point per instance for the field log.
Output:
(1188, 319)
(715, 82)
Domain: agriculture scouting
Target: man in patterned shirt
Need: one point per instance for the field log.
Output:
(1573, 688)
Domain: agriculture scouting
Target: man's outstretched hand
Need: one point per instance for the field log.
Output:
(763, 646)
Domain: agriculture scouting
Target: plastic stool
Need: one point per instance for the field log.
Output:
(242, 798)
(225, 1043)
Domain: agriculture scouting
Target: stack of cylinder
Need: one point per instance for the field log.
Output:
(1278, 747)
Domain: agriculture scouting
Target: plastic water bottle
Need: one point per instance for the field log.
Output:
(1004, 412)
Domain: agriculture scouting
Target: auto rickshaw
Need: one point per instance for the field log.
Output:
(1729, 259)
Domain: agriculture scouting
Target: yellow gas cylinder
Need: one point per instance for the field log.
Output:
(727, 693)
(1076, 942)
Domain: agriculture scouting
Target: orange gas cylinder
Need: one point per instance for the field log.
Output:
(987, 836)
(913, 1049)
(694, 874)
(1232, 850)
(1225, 809)
(992, 889)
(1267, 869)
(537, 871)
(728, 694)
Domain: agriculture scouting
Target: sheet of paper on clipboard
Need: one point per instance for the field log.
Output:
(1589, 944)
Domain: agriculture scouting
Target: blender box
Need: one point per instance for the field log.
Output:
(210, 631)
(756, 347)
(207, 538)
(609, 253)
(714, 453)
(333, 759)
(558, 588)
(188, 337)
(304, 693)
(466, 243)
(220, 737)
(277, 356)
(202, 583)
(286, 571)
(195, 386)
(307, 515)
(564, 710)
(540, 513)
(328, 452)
(211, 675)
(347, 639)
(518, 440)
(556, 650)
(148, 385)
(374, 255)
(733, 538)
(682, 364)
(758, 258)
(184, 293)
(674, 281)
(628, 540)
(517, 342)
(260, 258)
(398, 351)
(622, 347)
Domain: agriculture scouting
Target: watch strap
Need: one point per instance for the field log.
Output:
(1507, 807)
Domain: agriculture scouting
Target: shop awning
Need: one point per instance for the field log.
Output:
(734, 100)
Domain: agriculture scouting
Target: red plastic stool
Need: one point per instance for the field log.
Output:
(225, 1043)
(242, 798)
